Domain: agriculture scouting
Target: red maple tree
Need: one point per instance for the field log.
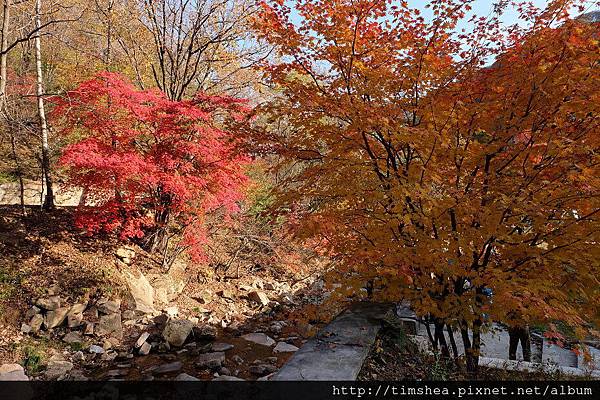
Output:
(151, 168)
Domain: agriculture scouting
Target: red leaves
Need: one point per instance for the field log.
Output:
(139, 155)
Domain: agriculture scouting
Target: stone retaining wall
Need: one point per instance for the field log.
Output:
(10, 194)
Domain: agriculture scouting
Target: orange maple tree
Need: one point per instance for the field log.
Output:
(470, 190)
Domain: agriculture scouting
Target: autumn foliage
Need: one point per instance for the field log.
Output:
(470, 189)
(150, 167)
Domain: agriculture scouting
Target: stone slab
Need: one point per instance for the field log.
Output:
(337, 352)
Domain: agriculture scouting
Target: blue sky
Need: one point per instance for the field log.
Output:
(484, 7)
(480, 7)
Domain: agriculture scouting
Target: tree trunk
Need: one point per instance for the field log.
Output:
(452, 342)
(49, 199)
(440, 338)
(472, 348)
(159, 240)
(464, 332)
(476, 347)
(13, 142)
(431, 338)
(3, 52)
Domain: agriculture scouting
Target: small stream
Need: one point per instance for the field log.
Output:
(144, 367)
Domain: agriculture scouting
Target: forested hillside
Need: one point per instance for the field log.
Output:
(185, 184)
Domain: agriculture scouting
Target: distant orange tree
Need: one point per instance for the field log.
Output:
(443, 178)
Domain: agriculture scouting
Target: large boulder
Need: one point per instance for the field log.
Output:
(57, 369)
(36, 323)
(110, 325)
(176, 331)
(205, 332)
(73, 338)
(106, 306)
(32, 311)
(141, 291)
(125, 254)
(12, 372)
(55, 317)
(168, 287)
(49, 303)
(75, 315)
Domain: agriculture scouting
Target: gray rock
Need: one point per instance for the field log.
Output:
(144, 349)
(221, 346)
(142, 339)
(176, 331)
(259, 338)
(141, 291)
(77, 375)
(96, 349)
(170, 367)
(228, 378)
(110, 325)
(109, 356)
(36, 323)
(55, 317)
(75, 315)
(74, 319)
(277, 326)
(78, 356)
(25, 328)
(259, 297)
(77, 308)
(266, 377)
(12, 372)
(205, 332)
(129, 314)
(49, 303)
(283, 347)
(211, 360)
(89, 328)
(32, 311)
(106, 306)
(125, 253)
(116, 372)
(172, 311)
(237, 359)
(57, 369)
(73, 337)
(186, 377)
(262, 369)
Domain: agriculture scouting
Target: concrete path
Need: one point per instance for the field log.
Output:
(337, 352)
